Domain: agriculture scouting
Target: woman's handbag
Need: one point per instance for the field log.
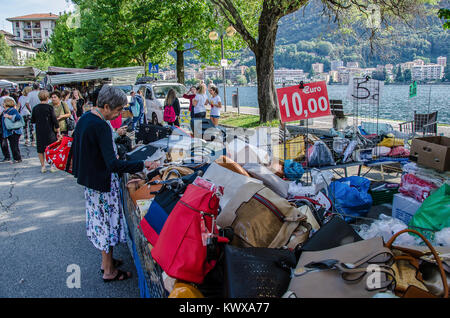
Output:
(261, 218)
(186, 247)
(13, 125)
(407, 267)
(257, 272)
(356, 270)
(58, 153)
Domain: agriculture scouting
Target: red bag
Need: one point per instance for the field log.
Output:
(58, 152)
(415, 187)
(169, 114)
(181, 249)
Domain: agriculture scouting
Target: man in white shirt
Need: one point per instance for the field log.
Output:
(33, 100)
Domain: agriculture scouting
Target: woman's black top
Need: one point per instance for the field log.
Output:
(93, 155)
(80, 110)
(43, 115)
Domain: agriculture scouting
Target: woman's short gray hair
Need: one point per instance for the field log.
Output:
(113, 96)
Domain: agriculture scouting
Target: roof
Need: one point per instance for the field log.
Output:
(127, 74)
(54, 70)
(13, 42)
(18, 72)
(36, 16)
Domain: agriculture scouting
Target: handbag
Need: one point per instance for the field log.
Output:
(261, 218)
(162, 205)
(407, 259)
(58, 152)
(147, 133)
(231, 165)
(355, 270)
(13, 125)
(185, 248)
(270, 180)
(257, 272)
(141, 190)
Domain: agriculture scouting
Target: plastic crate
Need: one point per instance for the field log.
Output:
(383, 196)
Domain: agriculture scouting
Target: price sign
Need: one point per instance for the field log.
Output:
(309, 102)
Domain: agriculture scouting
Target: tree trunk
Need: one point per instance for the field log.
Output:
(267, 97)
(180, 65)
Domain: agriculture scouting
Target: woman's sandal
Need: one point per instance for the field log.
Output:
(120, 274)
(116, 263)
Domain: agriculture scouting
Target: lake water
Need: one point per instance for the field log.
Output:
(394, 102)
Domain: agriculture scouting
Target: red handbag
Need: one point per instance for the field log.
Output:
(181, 249)
(58, 152)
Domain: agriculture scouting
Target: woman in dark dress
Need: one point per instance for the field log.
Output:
(47, 127)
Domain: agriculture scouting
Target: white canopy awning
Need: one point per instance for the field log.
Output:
(7, 84)
(19, 73)
(123, 74)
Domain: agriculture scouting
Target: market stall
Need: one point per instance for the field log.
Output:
(266, 202)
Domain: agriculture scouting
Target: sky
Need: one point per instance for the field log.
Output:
(15, 8)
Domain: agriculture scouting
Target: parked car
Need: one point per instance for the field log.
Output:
(155, 93)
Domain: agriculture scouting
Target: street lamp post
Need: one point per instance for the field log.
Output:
(213, 36)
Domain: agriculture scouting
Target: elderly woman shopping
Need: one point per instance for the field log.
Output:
(95, 165)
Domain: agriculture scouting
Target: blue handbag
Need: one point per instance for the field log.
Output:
(13, 125)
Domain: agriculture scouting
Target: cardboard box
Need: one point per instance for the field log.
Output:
(432, 152)
(403, 207)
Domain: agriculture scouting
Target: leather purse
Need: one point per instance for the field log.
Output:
(257, 272)
(141, 190)
(356, 270)
(261, 218)
(336, 232)
(231, 165)
(407, 267)
(270, 180)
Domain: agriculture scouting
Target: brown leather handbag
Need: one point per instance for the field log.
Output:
(231, 165)
(410, 283)
(261, 218)
(141, 190)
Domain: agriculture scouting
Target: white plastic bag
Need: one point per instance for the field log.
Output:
(443, 237)
(386, 227)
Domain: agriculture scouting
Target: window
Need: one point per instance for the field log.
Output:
(17, 24)
(148, 93)
(46, 33)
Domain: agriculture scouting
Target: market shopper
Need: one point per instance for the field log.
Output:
(77, 103)
(62, 111)
(13, 135)
(47, 127)
(216, 105)
(198, 104)
(95, 165)
(25, 111)
(172, 101)
(191, 95)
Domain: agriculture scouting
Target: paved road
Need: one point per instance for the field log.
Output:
(42, 232)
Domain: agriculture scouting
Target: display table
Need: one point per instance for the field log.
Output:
(150, 279)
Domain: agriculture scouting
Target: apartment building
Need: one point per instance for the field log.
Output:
(317, 68)
(34, 29)
(21, 50)
(336, 64)
(442, 60)
(427, 72)
(289, 76)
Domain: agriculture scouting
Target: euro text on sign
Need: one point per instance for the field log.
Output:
(297, 103)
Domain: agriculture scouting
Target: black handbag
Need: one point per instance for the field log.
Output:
(257, 272)
(141, 153)
(336, 232)
(147, 133)
(70, 123)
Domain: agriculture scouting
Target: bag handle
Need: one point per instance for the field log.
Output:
(433, 251)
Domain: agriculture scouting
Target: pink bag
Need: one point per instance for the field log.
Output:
(181, 249)
(399, 152)
(415, 187)
(169, 114)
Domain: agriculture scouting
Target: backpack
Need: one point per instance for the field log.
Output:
(169, 114)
